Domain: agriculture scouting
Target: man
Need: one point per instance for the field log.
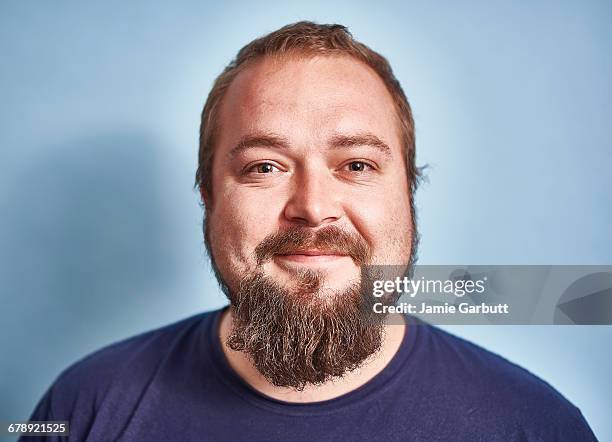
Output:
(307, 174)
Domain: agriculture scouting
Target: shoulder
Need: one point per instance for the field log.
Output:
(127, 365)
(490, 390)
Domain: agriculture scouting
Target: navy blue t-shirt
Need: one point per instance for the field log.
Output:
(174, 383)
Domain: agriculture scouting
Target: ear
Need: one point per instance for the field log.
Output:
(205, 197)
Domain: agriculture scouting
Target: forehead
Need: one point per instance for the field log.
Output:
(308, 97)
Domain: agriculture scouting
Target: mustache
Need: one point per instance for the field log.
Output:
(329, 239)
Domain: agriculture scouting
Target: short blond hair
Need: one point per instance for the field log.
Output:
(304, 38)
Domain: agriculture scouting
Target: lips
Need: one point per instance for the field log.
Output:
(314, 252)
(312, 256)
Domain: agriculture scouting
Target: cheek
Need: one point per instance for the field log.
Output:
(238, 223)
(385, 222)
(399, 232)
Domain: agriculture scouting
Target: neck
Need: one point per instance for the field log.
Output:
(393, 335)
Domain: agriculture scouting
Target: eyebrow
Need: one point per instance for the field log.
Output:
(360, 139)
(338, 141)
(259, 139)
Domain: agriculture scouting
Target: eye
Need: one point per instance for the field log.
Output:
(264, 168)
(359, 166)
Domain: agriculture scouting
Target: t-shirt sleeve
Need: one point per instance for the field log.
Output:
(43, 412)
(73, 396)
(575, 428)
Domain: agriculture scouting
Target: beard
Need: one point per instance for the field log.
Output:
(295, 338)
(305, 335)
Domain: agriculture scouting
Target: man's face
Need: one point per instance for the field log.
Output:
(313, 145)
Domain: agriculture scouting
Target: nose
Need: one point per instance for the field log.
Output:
(313, 201)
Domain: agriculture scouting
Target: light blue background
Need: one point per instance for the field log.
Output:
(100, 228)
